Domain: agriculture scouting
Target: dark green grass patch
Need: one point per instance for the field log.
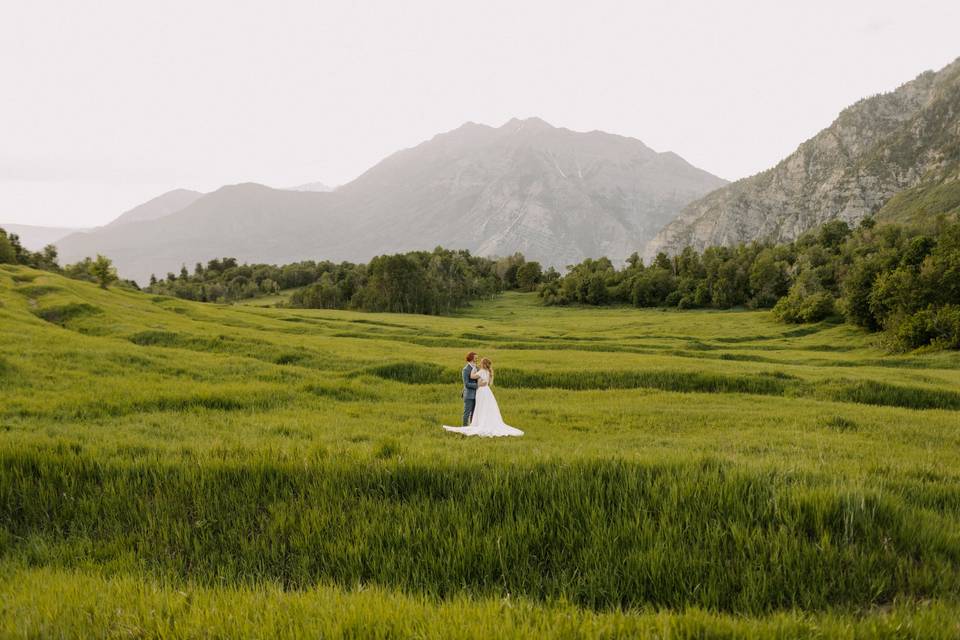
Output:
(291, 357)
(684, 381)
(37, 290)
(7, 370)
(765, 383)
(881, 393)
(209, 401)
(24, 277)
(388, 449)
(602, 535)
(65, 313)
(227, 400)
(414, 373)
(425, 373)
(339, 392)
(222, 343)
(837, 423)
(157, 339)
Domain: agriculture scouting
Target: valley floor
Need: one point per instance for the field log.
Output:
(174, 469)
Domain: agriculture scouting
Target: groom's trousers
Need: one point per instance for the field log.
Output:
(468, 406)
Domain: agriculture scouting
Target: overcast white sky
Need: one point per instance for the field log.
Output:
(105, 104)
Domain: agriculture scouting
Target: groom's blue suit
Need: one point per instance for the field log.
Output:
(469, 394)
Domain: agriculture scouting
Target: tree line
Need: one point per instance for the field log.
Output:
(903, 281)
(99, 270)
(427, 282)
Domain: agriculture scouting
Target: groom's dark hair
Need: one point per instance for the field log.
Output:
(471, 356)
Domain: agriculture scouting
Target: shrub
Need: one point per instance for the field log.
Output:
(937, 327)
(798, 307)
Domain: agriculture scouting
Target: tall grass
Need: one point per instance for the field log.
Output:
(683, 474)
(601, 535)
(41, 603)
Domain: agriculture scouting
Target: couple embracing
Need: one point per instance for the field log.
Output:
(481, 414)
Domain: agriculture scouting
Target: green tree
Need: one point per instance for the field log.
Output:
(768, 280)
(7, 253)
(529, 275)
(856, 293)
(102, 270)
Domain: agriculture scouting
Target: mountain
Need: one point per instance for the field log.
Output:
(557, 195)
(311, 186)
(162, 205)
(249, 221)
(36, 238)
(895, 155)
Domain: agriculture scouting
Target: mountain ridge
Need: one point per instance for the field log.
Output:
(158, 207)
(556, 195)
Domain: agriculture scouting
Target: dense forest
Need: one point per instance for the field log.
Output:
(903, 281)
(416, 282)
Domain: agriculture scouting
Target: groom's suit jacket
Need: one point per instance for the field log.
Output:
(469, 386)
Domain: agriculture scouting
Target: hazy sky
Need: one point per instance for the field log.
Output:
(105, 104)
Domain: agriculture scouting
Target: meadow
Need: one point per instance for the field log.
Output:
(180, 469)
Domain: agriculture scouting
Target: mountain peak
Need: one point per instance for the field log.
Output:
(320, 187)
(518, 124)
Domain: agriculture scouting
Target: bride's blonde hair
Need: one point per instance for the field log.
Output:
(486, 364)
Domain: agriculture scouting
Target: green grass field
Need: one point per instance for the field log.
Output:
(174, 469)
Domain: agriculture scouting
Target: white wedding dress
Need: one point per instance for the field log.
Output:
(487, 421)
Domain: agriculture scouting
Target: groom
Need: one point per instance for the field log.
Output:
(469, 392)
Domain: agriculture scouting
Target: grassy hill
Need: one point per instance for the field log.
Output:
(177, 469)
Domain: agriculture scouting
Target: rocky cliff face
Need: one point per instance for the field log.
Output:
(556, 195)
(874, 150)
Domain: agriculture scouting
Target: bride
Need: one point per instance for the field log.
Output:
(487, 421)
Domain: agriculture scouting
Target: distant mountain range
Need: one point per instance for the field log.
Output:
(556, 195)
(560, 196)
(895, 155)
